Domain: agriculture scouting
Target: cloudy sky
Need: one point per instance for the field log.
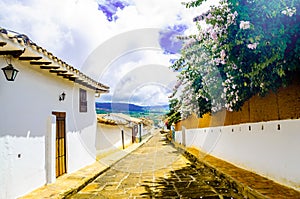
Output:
(125, 44)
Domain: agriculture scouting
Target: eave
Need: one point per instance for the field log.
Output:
(20, 47)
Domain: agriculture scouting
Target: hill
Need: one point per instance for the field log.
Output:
(152, 112)
(118, 107)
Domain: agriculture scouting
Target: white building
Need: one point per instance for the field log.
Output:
(47, 118)
(270, 149)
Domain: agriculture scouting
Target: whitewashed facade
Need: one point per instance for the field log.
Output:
(109, 138)
(30, 106)
(124, 128)
(270, 149)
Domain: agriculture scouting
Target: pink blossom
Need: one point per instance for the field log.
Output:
(252, 46)
(209, 16)
(217, 61)
(214, 35)
(189, 43)
(178, 84)
(289, 11)
(244, 25)
(235, 13)
(223, 54)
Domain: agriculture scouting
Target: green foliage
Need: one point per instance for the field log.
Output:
(248, 47)
(173, 116)
(194, 3)
(267, 66)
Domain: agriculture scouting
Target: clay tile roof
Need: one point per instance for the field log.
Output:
(21, 47)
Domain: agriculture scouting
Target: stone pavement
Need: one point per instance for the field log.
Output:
(158, 170)
(69, 184)
(250, 184)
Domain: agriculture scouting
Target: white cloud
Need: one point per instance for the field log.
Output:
(73, 29)
(134, 86)
(152, 94)
(78, 26)
(137, 60)
(67, 28)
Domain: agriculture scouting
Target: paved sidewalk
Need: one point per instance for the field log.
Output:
(69, 184)
(250, 184)
(158, 170)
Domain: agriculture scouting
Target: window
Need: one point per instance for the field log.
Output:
(82, 100)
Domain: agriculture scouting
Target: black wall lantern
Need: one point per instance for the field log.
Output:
(10, 72)
(62, 96)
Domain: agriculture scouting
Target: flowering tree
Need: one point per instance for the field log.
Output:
(173, 116)
(246, 47)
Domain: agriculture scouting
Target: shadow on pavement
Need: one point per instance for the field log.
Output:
(191, 182)
(196, 180)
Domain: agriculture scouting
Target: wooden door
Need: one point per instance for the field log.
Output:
(61, 163)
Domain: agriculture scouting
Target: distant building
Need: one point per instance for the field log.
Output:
(48, 120)
(135, 124)
(123, 119)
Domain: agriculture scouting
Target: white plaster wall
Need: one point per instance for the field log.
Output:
(109, 137)
(81, 136)
(178, 137)
(20, 168)
(26, 105)
(259, 147)
(81, 148)
(146, 130)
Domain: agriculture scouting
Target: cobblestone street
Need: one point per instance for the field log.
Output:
(158, 170)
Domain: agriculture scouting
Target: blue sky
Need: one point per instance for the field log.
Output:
(100, 38)
(111, 7)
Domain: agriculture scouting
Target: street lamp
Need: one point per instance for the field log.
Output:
(10, 72)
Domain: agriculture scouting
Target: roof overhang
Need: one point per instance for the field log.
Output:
(20, 47)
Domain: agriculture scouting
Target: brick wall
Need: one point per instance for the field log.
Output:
(284, 104)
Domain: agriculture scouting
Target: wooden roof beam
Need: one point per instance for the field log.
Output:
(58, 71)
(40, 63)
(29, 58)
(73, 79)
(79, 81)
(2, 43)
(67, 75)
(49, 67)
(64, 75)
(14, 53)
(101, 90)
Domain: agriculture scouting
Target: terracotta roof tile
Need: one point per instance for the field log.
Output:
(22, 43)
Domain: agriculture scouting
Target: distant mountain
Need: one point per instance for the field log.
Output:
(118, 107)
(131, 109)
(157, 108)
